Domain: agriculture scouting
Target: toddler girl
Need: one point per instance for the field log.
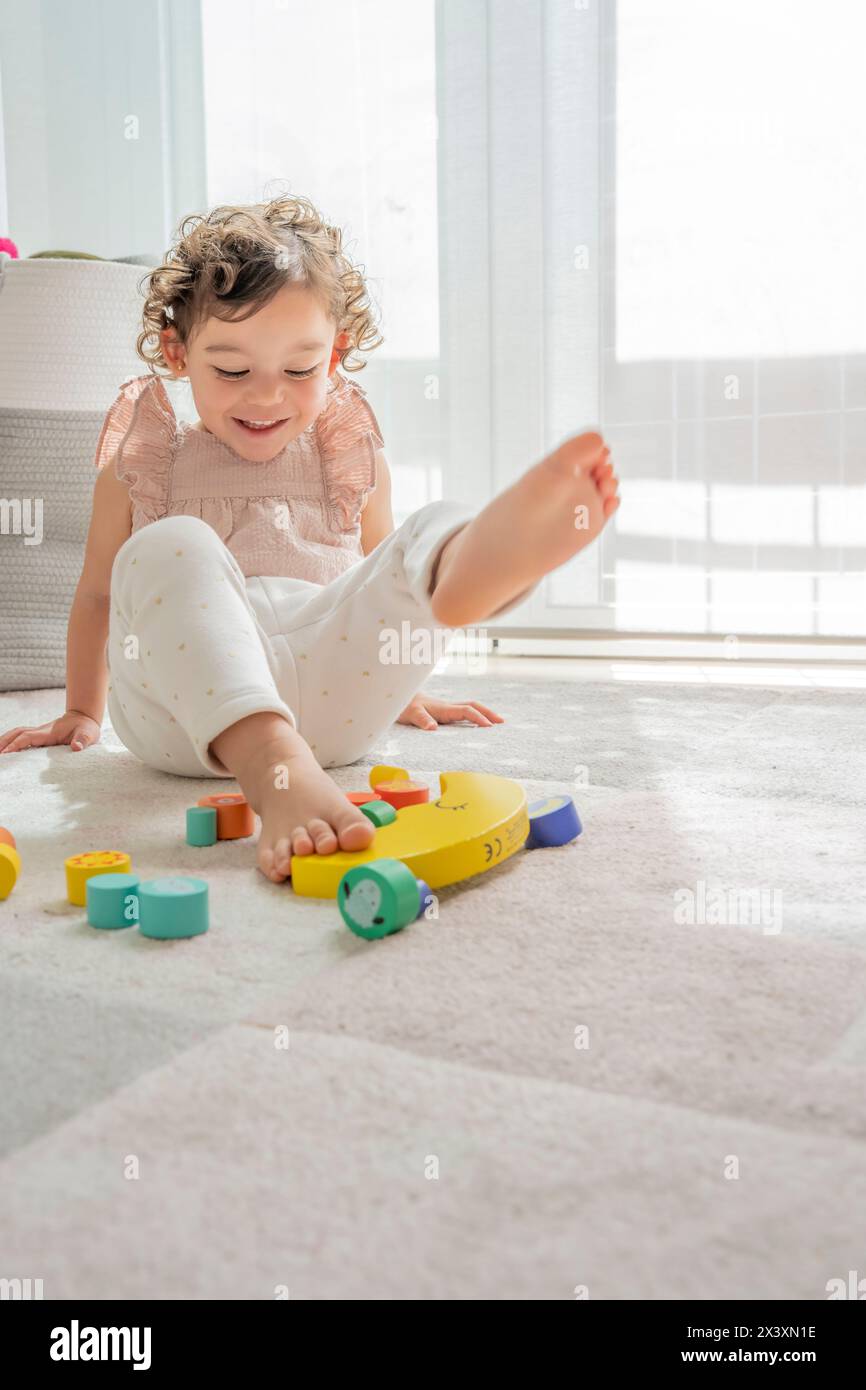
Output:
(251, 632)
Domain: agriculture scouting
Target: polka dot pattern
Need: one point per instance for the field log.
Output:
(330, 669)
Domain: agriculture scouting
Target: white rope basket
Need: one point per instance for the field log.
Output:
(67, 332)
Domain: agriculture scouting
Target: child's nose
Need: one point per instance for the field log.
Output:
(275, 402)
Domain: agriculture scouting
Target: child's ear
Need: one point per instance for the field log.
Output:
(173, 350)
(341, 343)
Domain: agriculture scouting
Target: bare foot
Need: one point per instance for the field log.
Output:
(548, 515)
(302, 809)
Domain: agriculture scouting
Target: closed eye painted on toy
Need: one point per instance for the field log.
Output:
(478, 821)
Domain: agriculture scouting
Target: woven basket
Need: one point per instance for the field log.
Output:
(67, 342)
(67, 332)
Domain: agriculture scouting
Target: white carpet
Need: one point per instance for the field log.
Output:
(453, 1043)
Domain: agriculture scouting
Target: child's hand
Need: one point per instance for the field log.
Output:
(426, 713)
(73, 727)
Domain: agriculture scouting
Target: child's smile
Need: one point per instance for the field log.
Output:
(262, 427)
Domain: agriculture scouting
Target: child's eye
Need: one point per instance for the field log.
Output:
(235, 376)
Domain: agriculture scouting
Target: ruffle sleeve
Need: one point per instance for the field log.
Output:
(138, 437)
(348, 436)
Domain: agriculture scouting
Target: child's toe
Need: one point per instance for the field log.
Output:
(354, 832)
(323, 836)
(269, 865)
(301, 842)
(580, 453)
(283, 855)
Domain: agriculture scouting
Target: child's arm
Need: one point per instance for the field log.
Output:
(110, 526)
(86, 671)
(376, 519)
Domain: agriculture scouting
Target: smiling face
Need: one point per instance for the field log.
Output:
(260, 382)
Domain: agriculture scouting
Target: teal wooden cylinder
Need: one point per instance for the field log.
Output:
(170, 908)
(112, 901)
(201, 825)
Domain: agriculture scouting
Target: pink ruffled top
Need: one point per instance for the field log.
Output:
(298, 515)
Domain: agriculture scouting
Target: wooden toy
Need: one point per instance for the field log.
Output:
(477, 822)
(7, 838)
(362, 798)
(378, 898)
(379, 812)
(112, 901)
(201, 825)
(382, 897)
(10, 868)
(235, 816)
(425, 896)
(81, 867)
(384, 772)
(402, 791)
(552, 821)
(170, 908)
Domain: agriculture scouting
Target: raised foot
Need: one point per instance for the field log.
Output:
(556, 509)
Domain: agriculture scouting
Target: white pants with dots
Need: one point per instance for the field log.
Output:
(194, 646)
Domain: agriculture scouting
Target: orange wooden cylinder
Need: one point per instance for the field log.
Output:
(6, 837)
(235, 816)
(361, 798)
(403, 792)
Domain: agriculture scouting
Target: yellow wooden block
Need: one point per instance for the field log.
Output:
(81, 867)
(383, 773)
(10, 868)
(478, 821)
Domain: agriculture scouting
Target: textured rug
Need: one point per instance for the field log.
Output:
(631, 1067)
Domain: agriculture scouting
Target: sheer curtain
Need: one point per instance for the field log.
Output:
(654, 217)
(734, 369)
(521, 267)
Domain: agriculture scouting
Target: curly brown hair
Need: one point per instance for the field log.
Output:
(238, 256)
